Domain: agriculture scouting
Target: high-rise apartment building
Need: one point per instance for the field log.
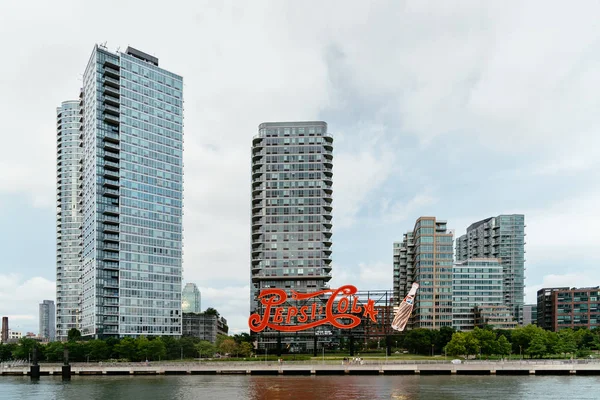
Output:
(500, 237)
(476, 282)
(292, 169)
(47, 327)
(130, 197)
(190, 299)
(425, 257)
(529, 314)
(69, 218)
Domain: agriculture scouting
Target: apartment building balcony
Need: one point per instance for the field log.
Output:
(111, 71)
(111, 147)
(108, 81)
(108, 99)
(111, 119)
(111, 165)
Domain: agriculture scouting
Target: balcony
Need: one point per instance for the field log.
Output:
(108, 81)
(111, 147)
(109, 91)
(111, 100)
(110, 229)
(112, 72)
(109, 256)
(111, 109)
(111, 210)
(111, 184)
(114, 247)
(114, 193)
(110, 219)
(110, 237)
(111, 119)
(114, 175)
(111, 165)
(110, 156)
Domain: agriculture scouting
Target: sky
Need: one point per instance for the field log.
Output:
(460, 110)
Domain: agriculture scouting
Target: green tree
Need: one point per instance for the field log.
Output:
(204, 348)
(141, 345)
(187, 345)
(537, 347)
(418, 341)
(54, 351)
(74, 334)
(487, 341)
(444, 336)
(211, 311)
(6, 351)
(472, 345)
(157, 349)
(567, 343)
(126, 348)
(457, 345)
(24, 350)
(97, 350)
(504, 346)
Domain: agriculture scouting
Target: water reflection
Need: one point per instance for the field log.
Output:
(243, 387)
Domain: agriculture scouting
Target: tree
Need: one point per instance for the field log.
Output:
(205, 348)
(242, 337)
(537, 347)
(418, 341)
(227, 346)
(245, 349)
(457, 345)
(472, 345)
(504, 346)
(97, 350)
(74, 334)
(566, 342)
(157, 349)
(487, 341)
(126, 348)
(24, 351)
(211, 311)
(142, 344)
(444, 336)
(54, 351)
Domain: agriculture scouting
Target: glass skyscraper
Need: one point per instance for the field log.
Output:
(292, 170)
(500, 237)
(425, 256)
(131, 196)
(47, 320)
(190, 299)
(69, 154)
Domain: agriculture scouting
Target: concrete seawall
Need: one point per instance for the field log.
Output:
(545, 367)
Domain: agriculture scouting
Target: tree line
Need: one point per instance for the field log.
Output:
(128, 349)
(527, 342)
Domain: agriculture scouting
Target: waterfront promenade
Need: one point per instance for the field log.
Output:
(327, 367)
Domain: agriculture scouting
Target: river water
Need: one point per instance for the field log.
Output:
(208, 387)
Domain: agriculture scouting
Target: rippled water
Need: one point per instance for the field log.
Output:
(302, 388)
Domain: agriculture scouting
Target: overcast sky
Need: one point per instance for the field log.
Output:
(458, 110)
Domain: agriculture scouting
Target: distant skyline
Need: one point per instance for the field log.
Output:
(462, 111)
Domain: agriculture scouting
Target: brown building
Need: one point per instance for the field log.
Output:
(544, 307)
(575, 308)
(426, 256)
(498, 316)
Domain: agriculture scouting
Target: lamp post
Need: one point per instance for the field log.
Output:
(432, 349)
(181, 352)
(520, 352)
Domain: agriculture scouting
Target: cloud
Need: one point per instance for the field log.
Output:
(577, 279)
(20, 297)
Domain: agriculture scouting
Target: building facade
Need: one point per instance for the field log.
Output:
(576, 308)
(69, 240)
(476, 282)
(529, 314)
(204, 326)
(292, 172)
(190, 299)
(500, 237)
(425, 257)
(545, 310)
(499, 317)
(47, 326)
(131, 197)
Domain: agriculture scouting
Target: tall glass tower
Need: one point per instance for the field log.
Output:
(190, 299)
(500, 237)
(69, 154)
(131, 196)
(292, 170)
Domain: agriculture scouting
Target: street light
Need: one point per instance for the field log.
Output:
(520, 352)
(432, 349)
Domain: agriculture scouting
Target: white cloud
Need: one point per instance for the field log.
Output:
(577, 279)
(20, 298)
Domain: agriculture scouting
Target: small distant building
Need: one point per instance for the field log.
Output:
(14, 336)
(190, 299)
(544, 307)
(204, 326)
(4, 334)
(499, 317)
(529, 314)
(47, 320)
